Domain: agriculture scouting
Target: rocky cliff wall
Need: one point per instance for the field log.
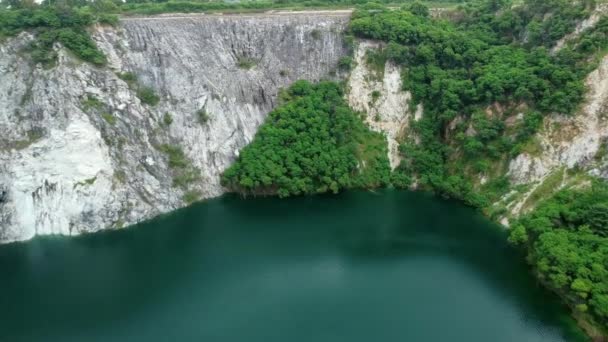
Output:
(80, 152)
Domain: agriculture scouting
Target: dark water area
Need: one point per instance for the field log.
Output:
(387, 266)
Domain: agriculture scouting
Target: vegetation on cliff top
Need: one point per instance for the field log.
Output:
(146, 7)
(67, 21)
(463, 70)
(59, 23)
(312, 143)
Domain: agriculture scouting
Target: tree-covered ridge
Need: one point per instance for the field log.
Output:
(460, 70)
(312, 143)
(566, 239)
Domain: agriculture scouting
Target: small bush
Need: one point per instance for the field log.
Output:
(177, 158)
(375, 95)
(108, 19)
(167, 119)
(80, 43)
(202, 116)
(345, 63)
(148, 96)
(128, 77)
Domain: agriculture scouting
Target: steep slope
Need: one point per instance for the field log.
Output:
(379, 94)
(566, 142)
(81, 150)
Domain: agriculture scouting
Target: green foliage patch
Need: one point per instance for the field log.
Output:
(202, 116)
(167, 119)
(109, 118)
(147, 95)
(312, 143)
(246, 63)
(55, 24)
(566, 239)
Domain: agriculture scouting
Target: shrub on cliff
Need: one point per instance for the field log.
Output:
(312, 143)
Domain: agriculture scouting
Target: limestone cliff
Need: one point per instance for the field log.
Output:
(380, 95)
(80, 152)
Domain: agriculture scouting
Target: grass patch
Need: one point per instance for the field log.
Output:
(33, 135)
(90, 102)
(246, 63)
(111, 119)
(128, 77)
(86, 182)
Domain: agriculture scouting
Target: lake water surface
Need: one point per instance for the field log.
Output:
(387, 266)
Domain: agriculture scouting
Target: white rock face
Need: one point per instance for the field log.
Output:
(54, 177)
(70, 165)
(382, 98)
(568, 141)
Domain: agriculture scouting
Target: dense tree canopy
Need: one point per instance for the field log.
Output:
(567, 242)
(313, 143)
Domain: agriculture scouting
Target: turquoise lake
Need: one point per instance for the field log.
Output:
(360, 266)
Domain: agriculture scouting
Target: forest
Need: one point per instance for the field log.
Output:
(567, 242)
(312, 143)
